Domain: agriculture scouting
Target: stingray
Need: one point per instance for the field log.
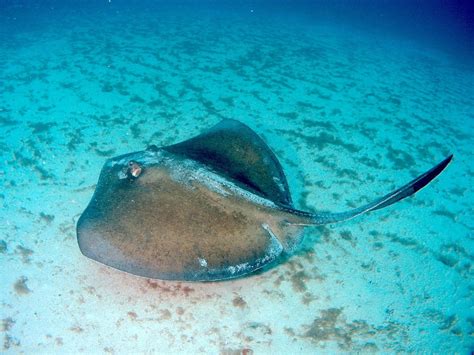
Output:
(214, 207)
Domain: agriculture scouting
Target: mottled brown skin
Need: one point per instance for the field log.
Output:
(236, 152)
(162, 227)
(214, 207)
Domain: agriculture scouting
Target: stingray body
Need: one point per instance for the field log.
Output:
(214, 207)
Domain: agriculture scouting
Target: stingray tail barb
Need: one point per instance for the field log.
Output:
(407, 190)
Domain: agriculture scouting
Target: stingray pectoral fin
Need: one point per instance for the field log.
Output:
(394, 196)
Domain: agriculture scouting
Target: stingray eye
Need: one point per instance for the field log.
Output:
(134, 169)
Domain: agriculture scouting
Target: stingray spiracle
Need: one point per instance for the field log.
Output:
(134, 169)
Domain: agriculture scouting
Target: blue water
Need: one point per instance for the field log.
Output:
(354, 98)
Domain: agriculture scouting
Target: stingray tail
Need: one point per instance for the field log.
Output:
(394, 196)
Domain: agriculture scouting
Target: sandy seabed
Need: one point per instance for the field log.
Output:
(350, 116)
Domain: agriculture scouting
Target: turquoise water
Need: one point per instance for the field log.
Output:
(354, 102)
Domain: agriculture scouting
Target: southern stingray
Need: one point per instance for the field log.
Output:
(214, 207)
